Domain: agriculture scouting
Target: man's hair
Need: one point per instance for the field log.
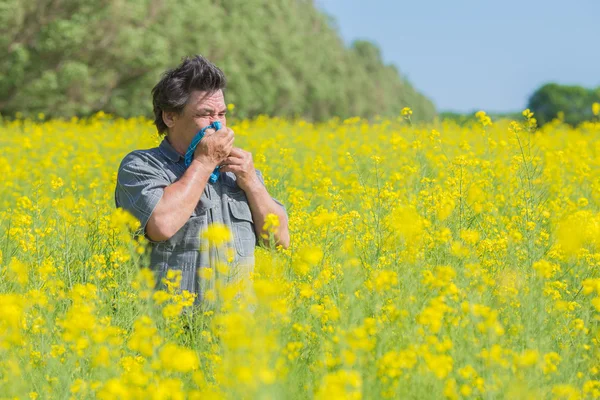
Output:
(172, 92)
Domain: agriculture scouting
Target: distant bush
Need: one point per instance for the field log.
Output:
(574, 102)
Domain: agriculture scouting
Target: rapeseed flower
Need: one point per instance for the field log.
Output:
(457, 258)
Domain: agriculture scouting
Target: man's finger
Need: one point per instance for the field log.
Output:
(236, 169)
(225, 132)
(233, 160)
(237, 152)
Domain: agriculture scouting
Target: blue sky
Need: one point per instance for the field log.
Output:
(478, 54)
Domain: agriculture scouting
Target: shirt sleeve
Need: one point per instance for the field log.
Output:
(140, 186)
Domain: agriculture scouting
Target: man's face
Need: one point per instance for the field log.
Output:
(201, 110)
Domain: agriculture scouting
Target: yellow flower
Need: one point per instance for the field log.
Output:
(406, 112)
(78, 386)
(307, 258)
(114, 388)
(546, 269)
(551, 361)
(483, 118)
(271, 223)
(57, 183)
(217, 234)
(566, 391)
(527, 113)
(528, 358)
(393, 363)
(451, 389)
(19, 271)
(385, 280)
(342, 384)
(178, 359)
(206, 273)
(440, 365)
(102, 358)
(306, 291)
(470, 236)
(145, 337)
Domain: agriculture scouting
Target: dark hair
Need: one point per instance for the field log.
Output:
(172, 92)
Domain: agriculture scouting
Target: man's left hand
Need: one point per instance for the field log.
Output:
(240, 163)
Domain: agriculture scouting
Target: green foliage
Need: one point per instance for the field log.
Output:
(459, 118)
(467, 118)
(574, 101)
(510, 115)
(281, 57)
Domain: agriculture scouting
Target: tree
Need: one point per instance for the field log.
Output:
(574, 101)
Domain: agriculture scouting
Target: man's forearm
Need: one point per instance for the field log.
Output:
(261, 205)
(178, 202)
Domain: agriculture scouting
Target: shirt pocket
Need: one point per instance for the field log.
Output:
(243, 225)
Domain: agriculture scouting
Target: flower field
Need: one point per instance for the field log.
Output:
(426, 261)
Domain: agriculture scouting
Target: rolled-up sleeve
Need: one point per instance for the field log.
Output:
(140, 186)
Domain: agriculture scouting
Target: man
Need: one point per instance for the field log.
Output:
(176, 204)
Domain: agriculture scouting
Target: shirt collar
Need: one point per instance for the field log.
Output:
(169, 151)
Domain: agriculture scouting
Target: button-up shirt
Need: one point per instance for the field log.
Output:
(144, 174)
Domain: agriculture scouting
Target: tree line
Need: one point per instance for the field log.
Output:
(571, 104)
(281, 57)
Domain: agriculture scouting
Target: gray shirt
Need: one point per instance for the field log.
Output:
(141, 180)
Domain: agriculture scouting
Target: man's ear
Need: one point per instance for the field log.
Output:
(169, 118)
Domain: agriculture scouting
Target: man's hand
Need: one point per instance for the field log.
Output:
(261, 203)
(240, 163)
(214, 147)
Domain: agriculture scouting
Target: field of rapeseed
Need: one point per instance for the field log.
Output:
(430, 261)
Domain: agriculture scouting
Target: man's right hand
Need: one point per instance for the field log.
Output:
(214, 147)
